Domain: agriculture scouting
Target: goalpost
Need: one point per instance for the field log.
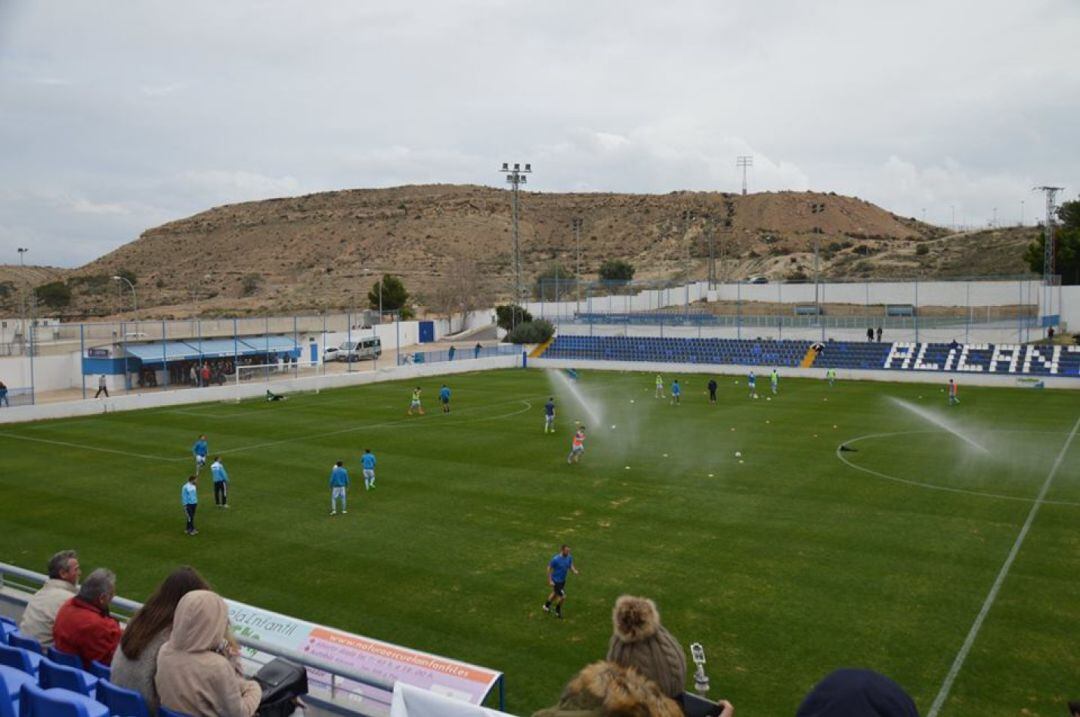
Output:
(281, 379)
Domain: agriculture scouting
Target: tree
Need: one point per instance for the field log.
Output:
(1067, 238)
(394, 296)
(250, 283)
(510, 315)
(616, 270)
(460, 291)
(554, 283)
(55, 294)
(129, 275)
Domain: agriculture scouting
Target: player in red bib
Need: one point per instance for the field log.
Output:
(577, 446)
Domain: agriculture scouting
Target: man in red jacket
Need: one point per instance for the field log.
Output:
(83, 626)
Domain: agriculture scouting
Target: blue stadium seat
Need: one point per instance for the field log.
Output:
(100, 671)
(37, 702)
(63, 658)
(11, 682)
(51, 674)
(20, 659)
(165, 712)
(120, 701)
(17, 639)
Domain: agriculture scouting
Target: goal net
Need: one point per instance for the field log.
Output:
(276, 379)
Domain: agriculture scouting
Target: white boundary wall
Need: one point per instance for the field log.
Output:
(254, 389)
(930, 377)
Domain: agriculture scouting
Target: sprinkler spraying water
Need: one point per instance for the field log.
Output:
(940, 422)
(591, 409)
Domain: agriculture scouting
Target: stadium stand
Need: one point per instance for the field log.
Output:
(679, 350)
(1018, 359)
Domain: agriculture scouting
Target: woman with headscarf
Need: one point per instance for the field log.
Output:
(195, 671)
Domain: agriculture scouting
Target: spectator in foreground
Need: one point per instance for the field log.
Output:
(604, 688)
(135, 661)
(641, 642)
(40, 613)
(84, 626)
(857, 692)
(196, 673)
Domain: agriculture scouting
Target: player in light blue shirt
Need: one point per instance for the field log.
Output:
(189, 498)
(200, 450)
(339, 481)
(559, 566)
(368, 462)
(676, 392)
(444, 398)
(221, 483)
(751, 381)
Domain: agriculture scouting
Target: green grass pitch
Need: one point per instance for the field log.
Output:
(784, 566)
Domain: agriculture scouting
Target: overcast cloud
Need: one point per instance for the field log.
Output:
(118, 116)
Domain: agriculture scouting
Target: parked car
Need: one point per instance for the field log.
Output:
(757, 280)
(367, 348)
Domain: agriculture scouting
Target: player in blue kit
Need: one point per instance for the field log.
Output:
(549, 416)
(444, 398)
(560, 565)
(751, 381)
(368, 462)
(676, 392)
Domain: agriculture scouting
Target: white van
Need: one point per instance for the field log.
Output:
(366, 348)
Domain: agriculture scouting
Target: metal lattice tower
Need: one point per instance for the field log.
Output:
(744, 161)
(515, 178)
(1049, 249)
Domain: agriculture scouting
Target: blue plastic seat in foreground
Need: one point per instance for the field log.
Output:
(17, 639)
(11, 682)
(52, 674)
(165, 712)
(20, 659)
(120, 701)
(100, 671)
(63, 658)
(36, 702)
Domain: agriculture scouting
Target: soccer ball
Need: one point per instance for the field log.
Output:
(631, 400)
(738, 454)
(755, 397)
(768, 398)
(613, 426)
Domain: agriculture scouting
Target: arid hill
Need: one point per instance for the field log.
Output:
(322, 250)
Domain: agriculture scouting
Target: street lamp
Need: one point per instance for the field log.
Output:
(577, 224)
(515, 178)
(134, 299)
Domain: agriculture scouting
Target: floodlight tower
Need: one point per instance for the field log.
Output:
(515, 178)
(577, 223)
(1049, 249)
(744, 161)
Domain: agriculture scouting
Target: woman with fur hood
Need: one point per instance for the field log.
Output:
(641, 642)
(604, 689)
(195, 670)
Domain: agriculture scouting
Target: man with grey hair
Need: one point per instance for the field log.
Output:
(84, 626)
(40, 612)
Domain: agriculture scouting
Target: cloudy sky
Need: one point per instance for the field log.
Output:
(117, 116)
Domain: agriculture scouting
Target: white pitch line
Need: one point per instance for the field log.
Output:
(958, 663)
(84, 447)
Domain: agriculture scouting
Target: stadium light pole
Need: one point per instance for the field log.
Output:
(515, 177)
(1049, 249)
(576, 223)
(22, 265)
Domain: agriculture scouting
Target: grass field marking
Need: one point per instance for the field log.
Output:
(411, 420)
(931, 486)
(961, 656)
(99, 449)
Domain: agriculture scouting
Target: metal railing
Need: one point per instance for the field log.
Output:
(337, 696)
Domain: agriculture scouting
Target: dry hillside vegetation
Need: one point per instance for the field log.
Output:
(321, 251)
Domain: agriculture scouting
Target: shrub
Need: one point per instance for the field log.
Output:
(510, 315)
(922, 249)
(250, 284)
(55, 294)
(532, 332)
(616, 270)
